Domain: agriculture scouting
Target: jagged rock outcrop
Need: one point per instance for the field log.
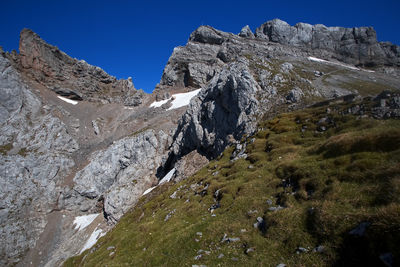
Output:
(192, 65)
(226, 107)
(118, 175)
(35, 154)
(71, 77)
(246, 32)
(357, 46)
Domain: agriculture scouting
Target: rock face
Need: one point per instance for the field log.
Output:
(118, 175)
(35, 154)
(71, 77)
(246, 32)
(353, 45)
(226, 107)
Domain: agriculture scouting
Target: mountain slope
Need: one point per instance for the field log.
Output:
(317, 187)
(79, 148)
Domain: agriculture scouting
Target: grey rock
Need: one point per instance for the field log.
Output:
(118, 174)
(249, 250)
(301, 250)
(360, 229)
(39, 157)
(246, 32)
(281, 265)
(294, 95)
(95, 127)
(169, 215)
(275, 208)
(206, 34)
(387, 259)
(319, 249)
(353, 45)
(220, 256)
(226, 106)
(260, 224)
(226, 239)
(286, 67)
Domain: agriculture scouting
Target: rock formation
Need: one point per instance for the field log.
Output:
(357, 46)
(35, 155)
(71, 77)
(60, 160)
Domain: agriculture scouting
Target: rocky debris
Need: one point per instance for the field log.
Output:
(189, 165)
(301, 250)
(226, 239)
(120, 174)
(318, 73)
(246, 32)
(286, 67)
(319, 249)
(357, 46)
(173, 195)
(36, 157)
(387, 259)
(227, 106)
(281, 265)
(169, 215)
(70, 77)
(249, 251)
(360, 229)
(260, 225)
(294, 95)
(239, 152)
(275, 208)
(95, 127)
(220, 256)
(387, 106)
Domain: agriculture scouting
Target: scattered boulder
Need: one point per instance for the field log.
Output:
(360, 229)
(294, 95)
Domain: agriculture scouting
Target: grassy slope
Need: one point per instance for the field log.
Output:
(328, 183)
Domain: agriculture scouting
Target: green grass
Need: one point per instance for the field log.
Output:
(328, 183)
(4, 149)
(366, 87)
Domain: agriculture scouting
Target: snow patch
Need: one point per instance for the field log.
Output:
(157, 104)
(337, 63)
(97, 233)
(73, 102)
(183, 99)
(164, 180)
(81, 222)
(148, 190)
(167, 177)
(178, 100)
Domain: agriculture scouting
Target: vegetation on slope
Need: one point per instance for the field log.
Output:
(323, 185)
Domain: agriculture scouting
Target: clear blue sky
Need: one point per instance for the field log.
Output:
(136, 38)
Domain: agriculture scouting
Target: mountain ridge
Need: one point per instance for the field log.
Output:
(118, 146)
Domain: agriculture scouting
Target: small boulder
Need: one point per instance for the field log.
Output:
(360, 229)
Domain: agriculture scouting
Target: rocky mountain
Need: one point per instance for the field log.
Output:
(80, 149)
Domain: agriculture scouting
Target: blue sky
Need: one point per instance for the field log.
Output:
(136, 38)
